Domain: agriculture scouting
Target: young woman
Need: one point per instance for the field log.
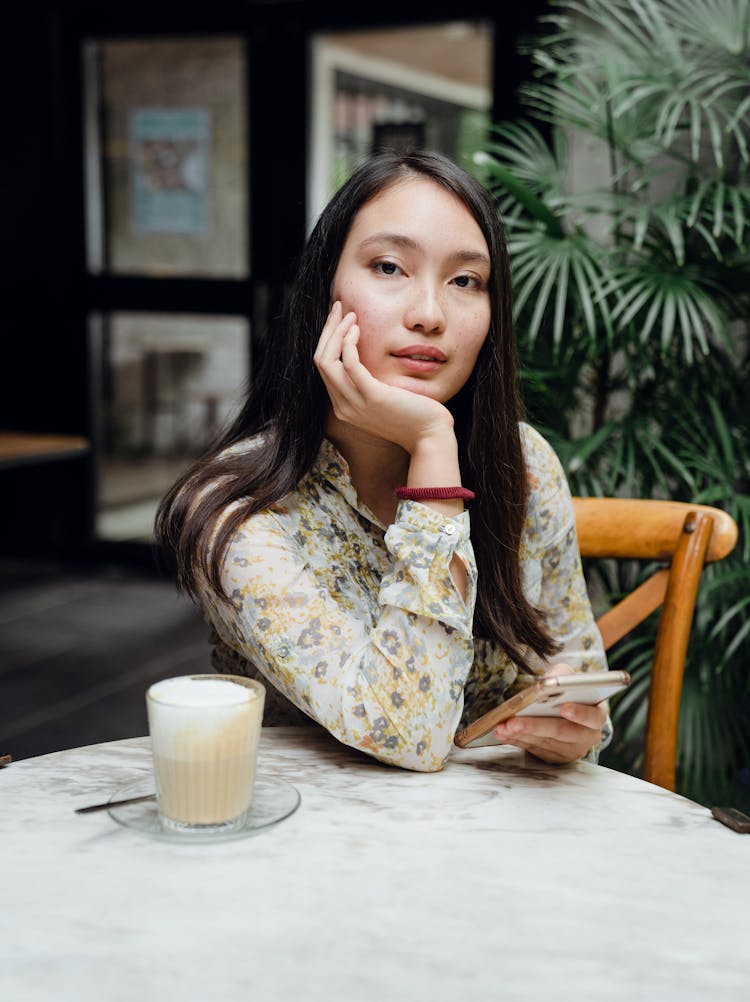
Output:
(325, 537)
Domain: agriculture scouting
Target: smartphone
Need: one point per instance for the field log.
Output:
(732, 818)
(542, 697)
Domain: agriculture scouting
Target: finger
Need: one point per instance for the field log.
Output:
(371, 390)
(331, 347)
(328, 358)
(588, 716)
(555, 727)
(345, 396)
(551, 749)
(341, 391)
(333, 318)
(349, 350)
(363, 380)
(549, 728)
(548, 746)
(349, 374)
(328, 349)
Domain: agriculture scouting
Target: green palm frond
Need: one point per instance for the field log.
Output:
(626, 457)
(712, 212)
(690, 88)
(713, 736)
(671, 301)
(522, 148)
(688, 99)
(720, 208)
(578, 101)
(726, 23)
(710, 442)
(499, 176)
(562, 277)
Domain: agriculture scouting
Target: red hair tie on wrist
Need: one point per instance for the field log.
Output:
(433, 493)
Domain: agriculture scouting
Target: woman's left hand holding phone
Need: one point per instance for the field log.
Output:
(558, 740)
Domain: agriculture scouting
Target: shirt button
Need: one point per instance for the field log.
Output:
(284, 651)
(449, 529)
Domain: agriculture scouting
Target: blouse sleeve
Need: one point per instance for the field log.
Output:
(388, 681)
(560, 591)
(561, 594)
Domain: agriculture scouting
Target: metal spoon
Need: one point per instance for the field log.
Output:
(115, 803)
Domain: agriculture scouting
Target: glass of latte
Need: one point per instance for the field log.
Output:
(204, 732)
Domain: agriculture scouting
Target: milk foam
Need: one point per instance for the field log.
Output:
(186, 691)
(188, 716)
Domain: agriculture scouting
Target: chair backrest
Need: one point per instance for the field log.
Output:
(684, 537)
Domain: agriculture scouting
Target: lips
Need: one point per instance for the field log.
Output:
(421, 353)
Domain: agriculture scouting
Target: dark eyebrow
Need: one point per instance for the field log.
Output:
(391, 238)
(400, 240)
(469, 256)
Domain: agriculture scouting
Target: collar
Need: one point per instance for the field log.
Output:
(331, 467)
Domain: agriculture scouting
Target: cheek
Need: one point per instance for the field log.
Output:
(372, 321)
(366, 304)
(368, 345)
(475, 336)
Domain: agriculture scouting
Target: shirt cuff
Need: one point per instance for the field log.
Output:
(414, 515)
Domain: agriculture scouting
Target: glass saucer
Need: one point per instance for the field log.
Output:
(273, 800)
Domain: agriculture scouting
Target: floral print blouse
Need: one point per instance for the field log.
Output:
(360, 627)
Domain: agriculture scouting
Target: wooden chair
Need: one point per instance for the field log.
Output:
(684, 537)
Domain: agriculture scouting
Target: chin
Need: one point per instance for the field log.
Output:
(420, 387)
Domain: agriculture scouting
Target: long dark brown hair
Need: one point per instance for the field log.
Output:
(288, 404)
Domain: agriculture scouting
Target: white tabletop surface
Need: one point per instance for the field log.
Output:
(496, 876)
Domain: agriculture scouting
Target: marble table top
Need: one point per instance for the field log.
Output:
(498, 876)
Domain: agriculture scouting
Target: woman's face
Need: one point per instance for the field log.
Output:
(415, 269)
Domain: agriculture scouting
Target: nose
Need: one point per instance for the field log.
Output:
(425, 311)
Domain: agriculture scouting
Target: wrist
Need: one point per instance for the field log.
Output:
(434, 460)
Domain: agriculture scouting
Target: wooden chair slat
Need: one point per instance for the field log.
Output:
(618, 621)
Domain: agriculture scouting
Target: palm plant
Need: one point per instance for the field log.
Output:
(632, 289)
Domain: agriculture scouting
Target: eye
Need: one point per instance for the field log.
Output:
(468, 282)
(385, 267)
